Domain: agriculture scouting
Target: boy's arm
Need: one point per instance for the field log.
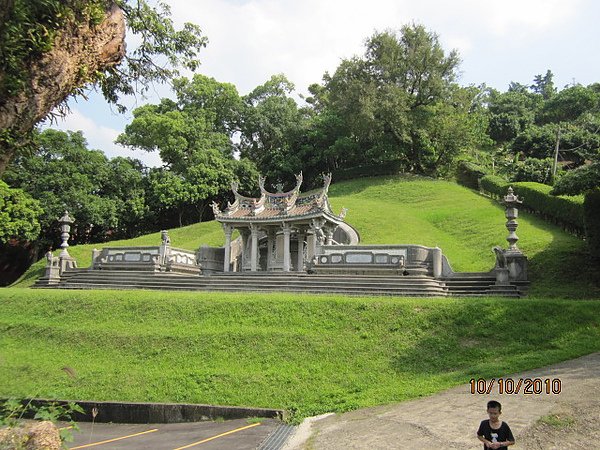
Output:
(484, 440)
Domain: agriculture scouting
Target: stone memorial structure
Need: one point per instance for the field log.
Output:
(291, 241)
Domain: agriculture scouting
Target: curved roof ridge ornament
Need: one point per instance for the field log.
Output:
(299, 179)
(326, 182)
(261, 184)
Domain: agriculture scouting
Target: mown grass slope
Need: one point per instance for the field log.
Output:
(310, 354)
(306, 354)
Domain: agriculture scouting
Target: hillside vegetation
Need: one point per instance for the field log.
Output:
(310, 354)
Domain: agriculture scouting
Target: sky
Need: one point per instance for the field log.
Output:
(250, 40)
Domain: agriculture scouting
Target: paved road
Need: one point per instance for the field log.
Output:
(450, 419)
(231, 434)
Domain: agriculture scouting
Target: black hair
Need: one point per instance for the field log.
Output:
(494, 404)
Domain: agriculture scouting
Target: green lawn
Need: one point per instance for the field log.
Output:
(306, 354)
(310, 354)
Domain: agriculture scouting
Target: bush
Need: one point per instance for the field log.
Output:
(393, 167)
(469, 174)
(591, 211)
(494, 186)
(565, 211)
(578, 181)
(533, 169)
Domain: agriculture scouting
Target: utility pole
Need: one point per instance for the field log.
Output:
(556, 147)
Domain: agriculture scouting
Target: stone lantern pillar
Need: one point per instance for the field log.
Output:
(511, 201)
(513, 258)
(65, 260)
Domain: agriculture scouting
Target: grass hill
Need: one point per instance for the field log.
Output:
(310, 353)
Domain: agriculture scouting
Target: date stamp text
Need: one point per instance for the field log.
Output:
(526, 386)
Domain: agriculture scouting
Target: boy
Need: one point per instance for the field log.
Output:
(494, 433)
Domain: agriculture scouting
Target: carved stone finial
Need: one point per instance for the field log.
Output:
(343, 213)
(234, 187)
(278, 187)
(164, 236)
(261, 183)
(299, 179)
(65, 227)
(215, 208)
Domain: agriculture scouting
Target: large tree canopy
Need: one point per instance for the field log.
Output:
(397, 102)
(52, 49)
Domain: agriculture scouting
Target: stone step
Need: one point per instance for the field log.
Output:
(305, 289)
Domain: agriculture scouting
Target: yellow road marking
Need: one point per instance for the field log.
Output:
(115, 439)
(218, 436)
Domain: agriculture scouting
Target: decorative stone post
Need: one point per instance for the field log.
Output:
(300, 267)
(65, 227)
(270, 239)
(511, 202)
(254, 248)
(511, 259)
(66, 261)
(227, 229)
(286, 246)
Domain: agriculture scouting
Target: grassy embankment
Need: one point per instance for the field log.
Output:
(310, 354)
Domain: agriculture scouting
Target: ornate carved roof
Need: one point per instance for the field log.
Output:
(278, 206)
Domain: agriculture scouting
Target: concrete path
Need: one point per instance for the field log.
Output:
(450, 419)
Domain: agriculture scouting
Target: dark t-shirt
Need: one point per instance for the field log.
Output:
(501, 434)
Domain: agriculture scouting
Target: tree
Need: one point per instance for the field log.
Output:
(194, 138)
(271, 125)
(398, 102)
(103, 196)
(52, 49)
(18, 215)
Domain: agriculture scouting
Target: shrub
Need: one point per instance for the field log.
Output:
(468, 174)
(578, 181)
(563, 210)
(591, 211)
(494, 186)
(533, 169)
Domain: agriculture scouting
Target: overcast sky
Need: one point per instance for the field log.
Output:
(250, 40)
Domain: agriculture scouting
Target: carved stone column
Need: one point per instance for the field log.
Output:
(300, 266)
(244, 233)
(287, 230)
(254, 248)
(227, 229)
(270, 240)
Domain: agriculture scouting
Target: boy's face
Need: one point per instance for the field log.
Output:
(494, 414)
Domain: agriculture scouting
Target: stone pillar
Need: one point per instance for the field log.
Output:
(227, 229)
(437, 262)
(244, 234)
(300, 266)
(254, 248)
(270, 239)
(286, 246)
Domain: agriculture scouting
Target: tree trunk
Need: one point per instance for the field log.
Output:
(79, 52)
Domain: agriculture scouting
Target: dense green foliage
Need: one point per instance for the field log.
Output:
(532, 125)
(578, 181)
(19, 215)
(306, 354)
(106, 197)
(591, 207)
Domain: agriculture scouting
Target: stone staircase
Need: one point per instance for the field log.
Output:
(347, 284)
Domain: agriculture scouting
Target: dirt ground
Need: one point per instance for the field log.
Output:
(546, 420)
